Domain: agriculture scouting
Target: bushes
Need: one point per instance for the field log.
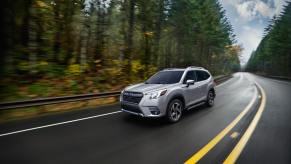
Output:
(38, 89)
(51, 79)
(74, 69)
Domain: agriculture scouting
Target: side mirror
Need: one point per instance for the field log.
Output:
(190, 82)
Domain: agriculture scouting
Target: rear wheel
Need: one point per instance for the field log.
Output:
(210, 98)
(174, 111)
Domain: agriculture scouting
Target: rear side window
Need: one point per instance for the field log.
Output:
(189, 76)
(202, 75)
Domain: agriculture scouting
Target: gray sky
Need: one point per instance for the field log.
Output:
(249, 18)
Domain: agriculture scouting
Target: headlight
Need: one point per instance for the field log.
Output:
(120, 97)
(156, 95)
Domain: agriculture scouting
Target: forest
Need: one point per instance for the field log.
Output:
(273, 55)
(65, 47)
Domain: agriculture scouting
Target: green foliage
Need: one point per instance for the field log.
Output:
(38, 89)
(24, 66)
(109, 44)
(74, 69)
(74, 86)
(54, 70)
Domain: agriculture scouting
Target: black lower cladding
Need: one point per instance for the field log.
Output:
(131, 108)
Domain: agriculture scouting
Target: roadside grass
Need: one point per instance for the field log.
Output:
(13, 90)
(24, 113)
(24, 88)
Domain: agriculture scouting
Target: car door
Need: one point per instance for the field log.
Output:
(190, 92)
(202, 83)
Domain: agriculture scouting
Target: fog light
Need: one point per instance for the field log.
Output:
(154, 110)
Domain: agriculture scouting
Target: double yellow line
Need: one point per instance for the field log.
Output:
(232, 157)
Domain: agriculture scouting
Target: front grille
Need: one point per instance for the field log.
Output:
(131, 108)
(132, 97)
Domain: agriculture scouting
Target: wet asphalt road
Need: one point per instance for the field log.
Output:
(117, 137)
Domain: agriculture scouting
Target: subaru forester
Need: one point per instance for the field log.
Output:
(169, 92)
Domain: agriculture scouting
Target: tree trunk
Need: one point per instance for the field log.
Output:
(129, 40)
(25, 28)
(159, 23)
(57, 35)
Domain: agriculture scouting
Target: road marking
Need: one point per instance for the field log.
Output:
(203, 151)
(233, 156)
(234, 135)
(60, 123)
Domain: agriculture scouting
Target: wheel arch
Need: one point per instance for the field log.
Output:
(179, 97)
(213, 90)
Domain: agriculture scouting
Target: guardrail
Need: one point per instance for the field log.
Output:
(276, 77)
(221, 78)
(74, 98)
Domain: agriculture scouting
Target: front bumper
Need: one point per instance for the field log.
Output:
(139, 110)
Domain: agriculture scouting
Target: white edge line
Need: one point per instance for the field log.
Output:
(60, 123)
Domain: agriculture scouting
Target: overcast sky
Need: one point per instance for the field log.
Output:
(249, 18)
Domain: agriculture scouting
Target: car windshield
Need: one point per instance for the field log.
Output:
(165, 77)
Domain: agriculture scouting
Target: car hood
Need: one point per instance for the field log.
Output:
(144, 88)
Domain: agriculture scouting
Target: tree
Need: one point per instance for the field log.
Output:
(273, 54)
(149, 34)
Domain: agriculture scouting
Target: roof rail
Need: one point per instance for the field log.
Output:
(184, 68)
(171, 68)
(195, 67)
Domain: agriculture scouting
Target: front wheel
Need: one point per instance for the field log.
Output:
(174, 111)
(210, 98)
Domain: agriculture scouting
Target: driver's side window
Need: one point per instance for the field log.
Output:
(189, 76)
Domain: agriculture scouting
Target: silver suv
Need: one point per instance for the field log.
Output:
(169, 92)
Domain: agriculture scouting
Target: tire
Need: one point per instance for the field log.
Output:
(210, 98)
(174, 111)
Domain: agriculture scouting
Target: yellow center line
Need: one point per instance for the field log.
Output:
(203, 151)
(233, 156)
